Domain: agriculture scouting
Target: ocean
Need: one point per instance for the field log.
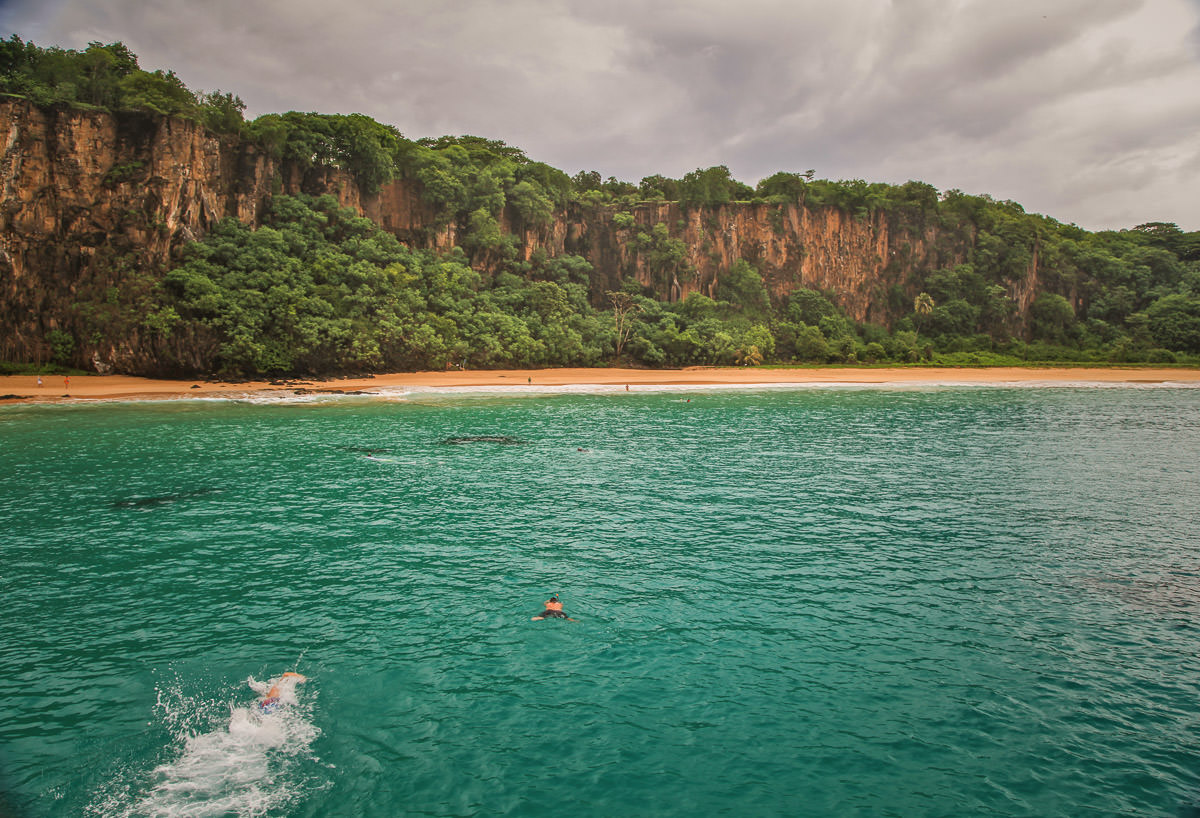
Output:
(821, 601)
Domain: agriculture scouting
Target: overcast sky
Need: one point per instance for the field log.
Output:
(1085, 110)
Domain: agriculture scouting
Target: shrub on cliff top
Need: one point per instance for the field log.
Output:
(108, 77)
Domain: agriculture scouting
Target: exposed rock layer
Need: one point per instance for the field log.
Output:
(82, 188)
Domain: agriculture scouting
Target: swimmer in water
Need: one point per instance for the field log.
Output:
(554, 610)
(277, 692)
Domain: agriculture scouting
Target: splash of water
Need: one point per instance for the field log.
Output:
(246, 763)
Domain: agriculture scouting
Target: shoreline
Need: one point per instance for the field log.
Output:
(15, 389)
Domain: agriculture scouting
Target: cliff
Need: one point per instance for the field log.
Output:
(93, 204)
(792, 246)
(96, 206)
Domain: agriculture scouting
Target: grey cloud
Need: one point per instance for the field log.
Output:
(1076, 108)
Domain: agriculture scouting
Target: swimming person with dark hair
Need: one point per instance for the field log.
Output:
(554, 610)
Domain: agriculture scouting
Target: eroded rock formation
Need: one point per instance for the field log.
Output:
(95, 206)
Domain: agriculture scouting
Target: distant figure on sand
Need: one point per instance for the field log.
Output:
(554, 610)
(67, 382)
(277, 692)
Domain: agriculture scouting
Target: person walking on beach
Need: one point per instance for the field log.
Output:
(39, 381)
(554, 610)
(67, 382)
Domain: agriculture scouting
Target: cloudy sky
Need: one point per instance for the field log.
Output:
(1085, 110)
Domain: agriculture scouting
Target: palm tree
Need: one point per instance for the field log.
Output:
(922, 305)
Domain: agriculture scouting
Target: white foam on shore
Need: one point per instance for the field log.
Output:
(423, 393)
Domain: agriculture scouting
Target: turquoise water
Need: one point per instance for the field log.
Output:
(951, 601)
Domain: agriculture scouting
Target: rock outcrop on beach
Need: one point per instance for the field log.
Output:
(97, 205)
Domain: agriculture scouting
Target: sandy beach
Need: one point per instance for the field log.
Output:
(24, 388)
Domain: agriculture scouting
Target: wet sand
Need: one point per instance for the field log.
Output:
(24, 388)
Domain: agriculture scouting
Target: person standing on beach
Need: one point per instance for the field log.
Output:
(67, 382)
(39, 381)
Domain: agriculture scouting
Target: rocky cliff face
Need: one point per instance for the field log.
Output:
(95, 205)
(792, 246)
(89, 199)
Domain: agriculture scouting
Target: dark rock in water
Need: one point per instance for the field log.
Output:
(162, 499)
(11, 397)
(503, 440)
(195, 386)
(1191, 810)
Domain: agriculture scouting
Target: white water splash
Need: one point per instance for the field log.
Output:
(246, 764)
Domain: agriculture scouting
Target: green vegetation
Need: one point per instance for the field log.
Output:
(107, 77)
(318, 289)
(11, 368)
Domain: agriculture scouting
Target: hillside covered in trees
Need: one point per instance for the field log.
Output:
(152, 229)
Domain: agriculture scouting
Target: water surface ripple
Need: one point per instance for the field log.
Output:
(878, 602)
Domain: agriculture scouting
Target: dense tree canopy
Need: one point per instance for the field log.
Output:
(319, 289)
(108, 77)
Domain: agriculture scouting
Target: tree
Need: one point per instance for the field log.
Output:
(365, 148)
(665, 257)
(587, 180)
(1053, 318)
(222, 112)
(659, 187)
(873, 352)
(534, 208)
(807, 306)
(1174, 322)
(923, 304)
(743, 287)
(103, 67)
(158, 92)
(758, 344)
(811, 344)
(624, 306)
(708, 187)
(785, 188)
(956, 317)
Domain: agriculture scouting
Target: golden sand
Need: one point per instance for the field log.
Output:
(121, 387)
